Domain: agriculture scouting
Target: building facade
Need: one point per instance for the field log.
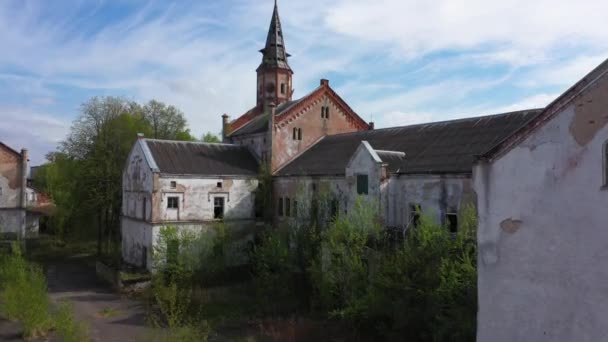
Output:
(542, 235)
(189, 186)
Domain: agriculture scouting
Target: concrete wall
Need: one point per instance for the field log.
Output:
(135, 236)
(196, 198)
(137, 185)
(12, 181)
(437, 195)
(542, 231)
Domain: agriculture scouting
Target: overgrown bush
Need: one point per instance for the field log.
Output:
(273, 270)
(426, 290)
(24, 294)
(178, 256)
(66, 327)
(23, 291)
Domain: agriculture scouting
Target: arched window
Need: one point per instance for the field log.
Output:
(605, 163)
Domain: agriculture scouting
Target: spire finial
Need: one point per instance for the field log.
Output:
(274, 51)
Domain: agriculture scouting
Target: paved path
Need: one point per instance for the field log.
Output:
(110, 316)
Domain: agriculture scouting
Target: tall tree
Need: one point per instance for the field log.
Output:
(211, 138)
(167, 122)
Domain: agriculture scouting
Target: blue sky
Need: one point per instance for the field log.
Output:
(396, 61)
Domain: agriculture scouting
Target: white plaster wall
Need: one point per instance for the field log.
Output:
(362, 163)
(9, 197)
(435, 194)
(11, 220)
(137, 184)
(136, 235)
(541, 274)
(197, 194)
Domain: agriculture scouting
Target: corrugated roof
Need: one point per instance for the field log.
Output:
(438, 147)
(196, 158)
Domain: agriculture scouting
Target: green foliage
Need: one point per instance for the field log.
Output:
(24, 294)
(341, 272)
(272, 270)
(210, 138)
(66, 327)
(84, 178)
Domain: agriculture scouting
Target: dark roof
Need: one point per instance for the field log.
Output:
(394, 160)
(437, 147)
(195, 158)
(274, 52)
(259, 124)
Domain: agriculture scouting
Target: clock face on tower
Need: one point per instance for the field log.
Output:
(270, 88)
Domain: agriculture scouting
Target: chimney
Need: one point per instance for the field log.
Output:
(140, 136)
(324, 82)
(225, 119)
(371, 125)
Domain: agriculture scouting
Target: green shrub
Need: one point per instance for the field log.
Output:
(66, 327)
(24, 294)
(272, 270)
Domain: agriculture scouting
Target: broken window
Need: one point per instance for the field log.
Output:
(362, 184)
(415, 210)
(219, 185)
(280, 206)
(173, 184)
(451, 221)
(287, 207)
(173, 202)
(218, 208)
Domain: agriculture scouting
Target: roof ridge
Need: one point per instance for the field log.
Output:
(190, 142)
(441, 122)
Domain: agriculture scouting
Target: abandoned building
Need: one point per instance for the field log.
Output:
(187, 185)
(21, 206)
(313, 144)
(541, 235)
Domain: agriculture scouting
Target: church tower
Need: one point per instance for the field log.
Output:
(274, 74)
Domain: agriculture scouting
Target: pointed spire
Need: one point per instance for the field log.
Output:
(274, 52)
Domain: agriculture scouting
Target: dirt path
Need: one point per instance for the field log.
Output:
(110, 316)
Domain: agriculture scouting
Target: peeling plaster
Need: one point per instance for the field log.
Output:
(510, 226)
(591, 114)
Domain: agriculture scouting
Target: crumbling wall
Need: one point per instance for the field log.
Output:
(437, 195)
(196, 198)
(10, 179)
(542, 231)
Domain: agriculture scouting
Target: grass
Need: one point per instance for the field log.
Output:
(23, 293)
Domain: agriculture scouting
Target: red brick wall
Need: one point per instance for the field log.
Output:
(313, 126)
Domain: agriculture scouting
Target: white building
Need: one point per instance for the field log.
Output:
(542, 233)
(187, 185)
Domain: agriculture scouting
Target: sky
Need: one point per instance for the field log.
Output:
(396, 62)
